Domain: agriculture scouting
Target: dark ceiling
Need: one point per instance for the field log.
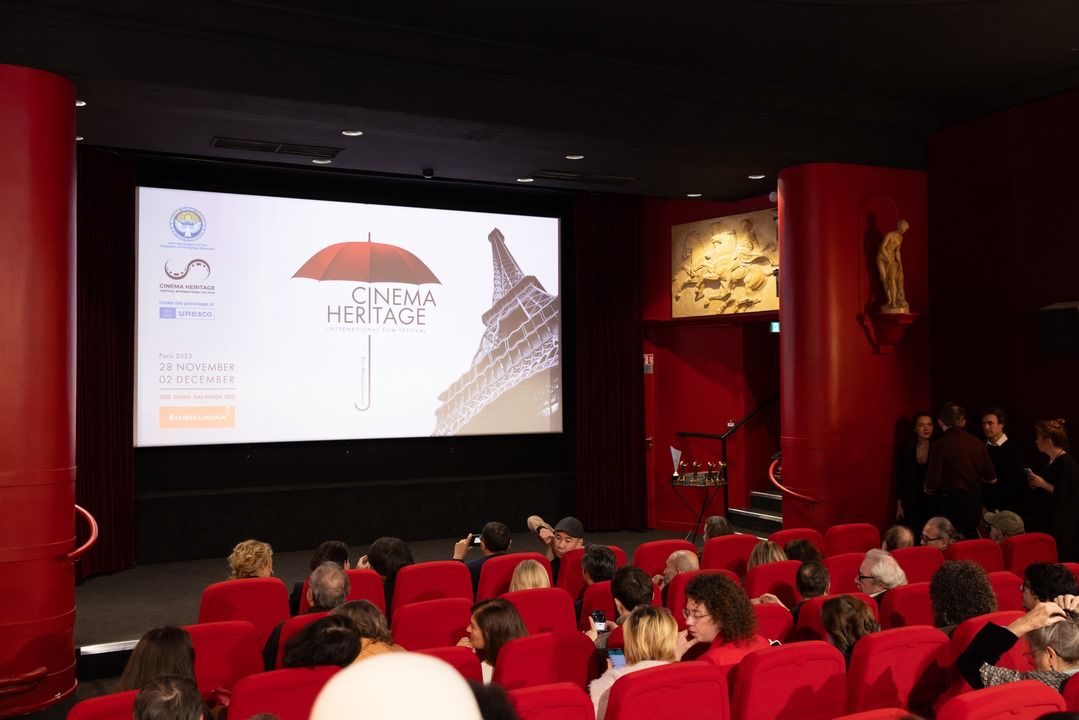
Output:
(661, 98)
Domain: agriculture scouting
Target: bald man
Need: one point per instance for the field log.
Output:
(678, 562)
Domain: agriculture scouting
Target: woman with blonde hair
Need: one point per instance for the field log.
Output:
(765, 552)
(651, 636)
(375, 637)
(251, 559)
(529, 575)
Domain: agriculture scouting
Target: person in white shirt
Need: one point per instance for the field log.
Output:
(650, 636)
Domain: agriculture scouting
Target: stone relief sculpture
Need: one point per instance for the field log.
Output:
(724, 265)
(890, 267)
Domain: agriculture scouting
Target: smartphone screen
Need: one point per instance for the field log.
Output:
(475, 538)
(617, 658)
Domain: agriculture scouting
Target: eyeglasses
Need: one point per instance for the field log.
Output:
(926, 539)
(863, 578)
(696, 616)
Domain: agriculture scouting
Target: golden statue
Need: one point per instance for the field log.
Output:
(890, 267)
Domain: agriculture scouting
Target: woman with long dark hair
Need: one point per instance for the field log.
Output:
(912, 461)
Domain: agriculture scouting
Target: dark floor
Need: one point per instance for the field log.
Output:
(124, 605)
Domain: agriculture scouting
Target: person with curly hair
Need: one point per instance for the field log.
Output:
(847, 620)
(960, 590)
(251, 559)
(718, 615)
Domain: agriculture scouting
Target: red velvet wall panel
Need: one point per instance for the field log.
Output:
(37, 389)
(841, 401)
(1001, 195)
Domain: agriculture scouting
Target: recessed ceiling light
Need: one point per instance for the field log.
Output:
(693, 194)
(526, 179)
(80, 103)
(352, 133)
(756, 177)
(78, 138)
(575, 157)
(322, 161)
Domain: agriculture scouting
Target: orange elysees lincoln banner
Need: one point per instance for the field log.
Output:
(222, 416)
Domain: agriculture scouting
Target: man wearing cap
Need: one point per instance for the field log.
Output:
(1003, 525)
(567, 535)
(1007, 458)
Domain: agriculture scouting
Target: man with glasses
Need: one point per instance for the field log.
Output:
(1046, 581)
(879, 573)
(939, 533)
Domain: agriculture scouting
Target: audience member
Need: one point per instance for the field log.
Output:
(395, 687)
(1061, 480)
(631, 587)
(387, 556)
(678, 562)
(568, 535)
(939, 533)
(169, 697)
(879, 573)
(494, 701)
(597, 564)
(650, 635)
(1043, 582)
(333, 551)
(370, 623)
(251, 559)
(912, 461)
(897, 536)
(495, 540)
(331, 640)
(1008, 461)
(1003, 525)
(717, 526)
(765, 552)
(529, 575)
(847, 620)
(718, 614)
(812, 580)
(802, 551)
(327, 588)
(960, 590)
(1051, 630)
(494, 623)
(162, 651)
(959, 467)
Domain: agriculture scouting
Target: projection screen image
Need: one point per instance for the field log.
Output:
(268, 319)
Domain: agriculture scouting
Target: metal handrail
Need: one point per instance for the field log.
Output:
(78, 552)
(19, 684)
(783, 488)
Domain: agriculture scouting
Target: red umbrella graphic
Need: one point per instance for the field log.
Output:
(366, 262)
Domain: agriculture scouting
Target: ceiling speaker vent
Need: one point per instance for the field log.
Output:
(275, 148)
(591, 178)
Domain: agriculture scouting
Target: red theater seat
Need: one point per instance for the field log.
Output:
(463, 659)
(224, 653)
(843, 569)
(1071, 695)
(292, 626)
(288, 694)
(728, 552)
(550, 657)
(570, 574)
(802, 681)
(496, 573)
(432, 623)
(773, 622)
(983, 552)
(881, 714)
(672, 692)
(363, 584)
(431, 581)
(558, 701)
(117, 706)
(544, 609)
(961, 637)
(1026, 700)
(652, 556)
(1073, 568)
(597, 596)
(1022, 550)
(919, 563)
(903, 667)
(853, 537)
(906, 605)
(810, 626)
(676, 591)
(263, 602)
(782, 537)
(776, 578)
(1006, 586)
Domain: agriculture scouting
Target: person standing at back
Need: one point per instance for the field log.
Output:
(959, 466)
(1008, 461)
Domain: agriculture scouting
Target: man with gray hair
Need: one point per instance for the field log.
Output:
(327, 588)
(879, 573)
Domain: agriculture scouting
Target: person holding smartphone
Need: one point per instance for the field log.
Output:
(493, 539)
(650, 636)
(1061, 484)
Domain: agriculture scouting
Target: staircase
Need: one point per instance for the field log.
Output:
(763, 517)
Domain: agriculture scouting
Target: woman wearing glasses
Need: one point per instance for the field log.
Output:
(719, 616)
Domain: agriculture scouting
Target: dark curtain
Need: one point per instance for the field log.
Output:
(610, 389)
(105, 299)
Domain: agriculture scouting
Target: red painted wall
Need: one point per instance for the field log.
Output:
(841, 402)
(705, 374)
(1002, 192)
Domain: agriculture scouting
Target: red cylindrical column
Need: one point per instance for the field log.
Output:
(37, 389)
(844, 403)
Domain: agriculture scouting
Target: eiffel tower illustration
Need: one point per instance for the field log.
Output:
(520, 341)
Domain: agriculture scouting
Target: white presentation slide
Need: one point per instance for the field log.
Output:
(268, 319)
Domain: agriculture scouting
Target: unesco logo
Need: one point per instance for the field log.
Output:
(188, 224)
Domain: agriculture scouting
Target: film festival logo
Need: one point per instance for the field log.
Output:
(386, 293)
(187, 279)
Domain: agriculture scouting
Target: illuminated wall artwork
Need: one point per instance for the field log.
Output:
(725, 266)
